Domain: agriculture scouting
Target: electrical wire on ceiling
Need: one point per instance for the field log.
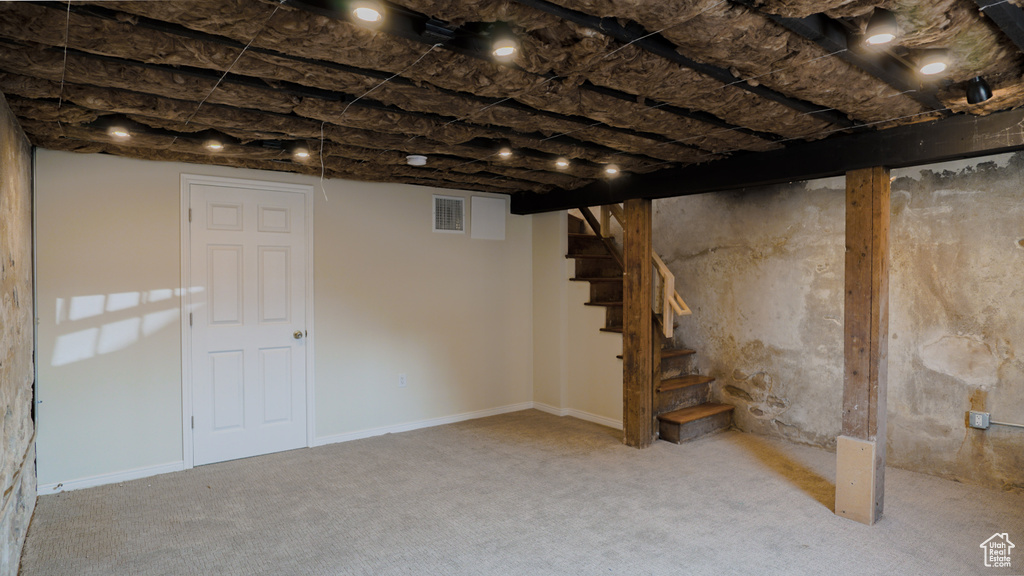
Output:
(232, 65)
(358, 98)
(546, 81)
(534, 87)
(226, 72)
(983, 8)
(64, 68)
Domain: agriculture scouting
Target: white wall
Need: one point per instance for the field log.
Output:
(453, 313)
(550, 311)
(576, 371)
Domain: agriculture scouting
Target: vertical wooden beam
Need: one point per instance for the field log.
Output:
(860, 454)
(637, 327)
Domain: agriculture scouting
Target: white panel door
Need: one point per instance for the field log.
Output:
(248, 341)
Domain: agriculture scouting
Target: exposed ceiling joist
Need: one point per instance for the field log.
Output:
(565, 124)
(634, 34)
(589, 83)
(1008, 17)
(418, 27)
(834, 38)
(951, 138)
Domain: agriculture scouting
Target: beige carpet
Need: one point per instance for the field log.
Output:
(524, 493)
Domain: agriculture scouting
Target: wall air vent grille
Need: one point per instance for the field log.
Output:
(449, 214)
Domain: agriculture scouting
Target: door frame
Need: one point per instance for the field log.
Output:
(187, 180)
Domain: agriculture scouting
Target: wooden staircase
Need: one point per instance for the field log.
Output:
(682, 401)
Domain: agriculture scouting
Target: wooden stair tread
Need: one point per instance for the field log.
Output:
(671, 353)
(616, 329)
(695, 413)
(598, 279)
(605, 304)
(683, 382)
(582, 235)
(590, 256)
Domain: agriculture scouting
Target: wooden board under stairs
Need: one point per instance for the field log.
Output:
(673, 352)
(683, 382)
(667, 353)
(681, 425)
(590, 256)
(597, 279)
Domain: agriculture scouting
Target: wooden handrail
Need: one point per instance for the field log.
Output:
(605, 238)
(671, 303)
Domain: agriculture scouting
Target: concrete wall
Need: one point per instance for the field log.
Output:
(17, 454)
(763, 271)
(452, 312)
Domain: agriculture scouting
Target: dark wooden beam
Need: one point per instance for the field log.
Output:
(860, 468)
(956, 137)
(1008, 17)
(697, 115)
(633, 33)
(637, 328)
(834, 38)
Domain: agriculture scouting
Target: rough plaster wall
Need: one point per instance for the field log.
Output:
(763, 271)
(956, 295)
(17, 453)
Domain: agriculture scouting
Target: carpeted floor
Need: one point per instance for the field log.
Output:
(523, 493)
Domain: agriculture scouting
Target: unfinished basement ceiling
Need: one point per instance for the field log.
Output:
(645, 86)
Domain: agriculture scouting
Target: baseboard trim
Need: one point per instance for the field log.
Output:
(580, 414)
(429, 423)
(111, 478)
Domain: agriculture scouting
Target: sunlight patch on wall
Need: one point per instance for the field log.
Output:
(104, 326)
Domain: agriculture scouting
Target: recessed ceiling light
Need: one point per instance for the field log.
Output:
(300, 152)
(933, 62)
(416, 160)
(611, 170)
(369, 12)
(505, 152)
(562, 163)
(504, 49)
(213, 144)
(504, 43)
(881, 28)
(118, 131)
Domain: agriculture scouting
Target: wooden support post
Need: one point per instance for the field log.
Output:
(637, 328)
(860, 454)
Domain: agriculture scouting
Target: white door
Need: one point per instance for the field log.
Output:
(248, 340)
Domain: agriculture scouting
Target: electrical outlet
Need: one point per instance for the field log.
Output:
(402, 383)
(978, 420)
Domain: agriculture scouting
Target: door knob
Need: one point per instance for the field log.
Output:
(298, 334)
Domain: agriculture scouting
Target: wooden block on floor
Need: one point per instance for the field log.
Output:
(682, 425)
(855, 480)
